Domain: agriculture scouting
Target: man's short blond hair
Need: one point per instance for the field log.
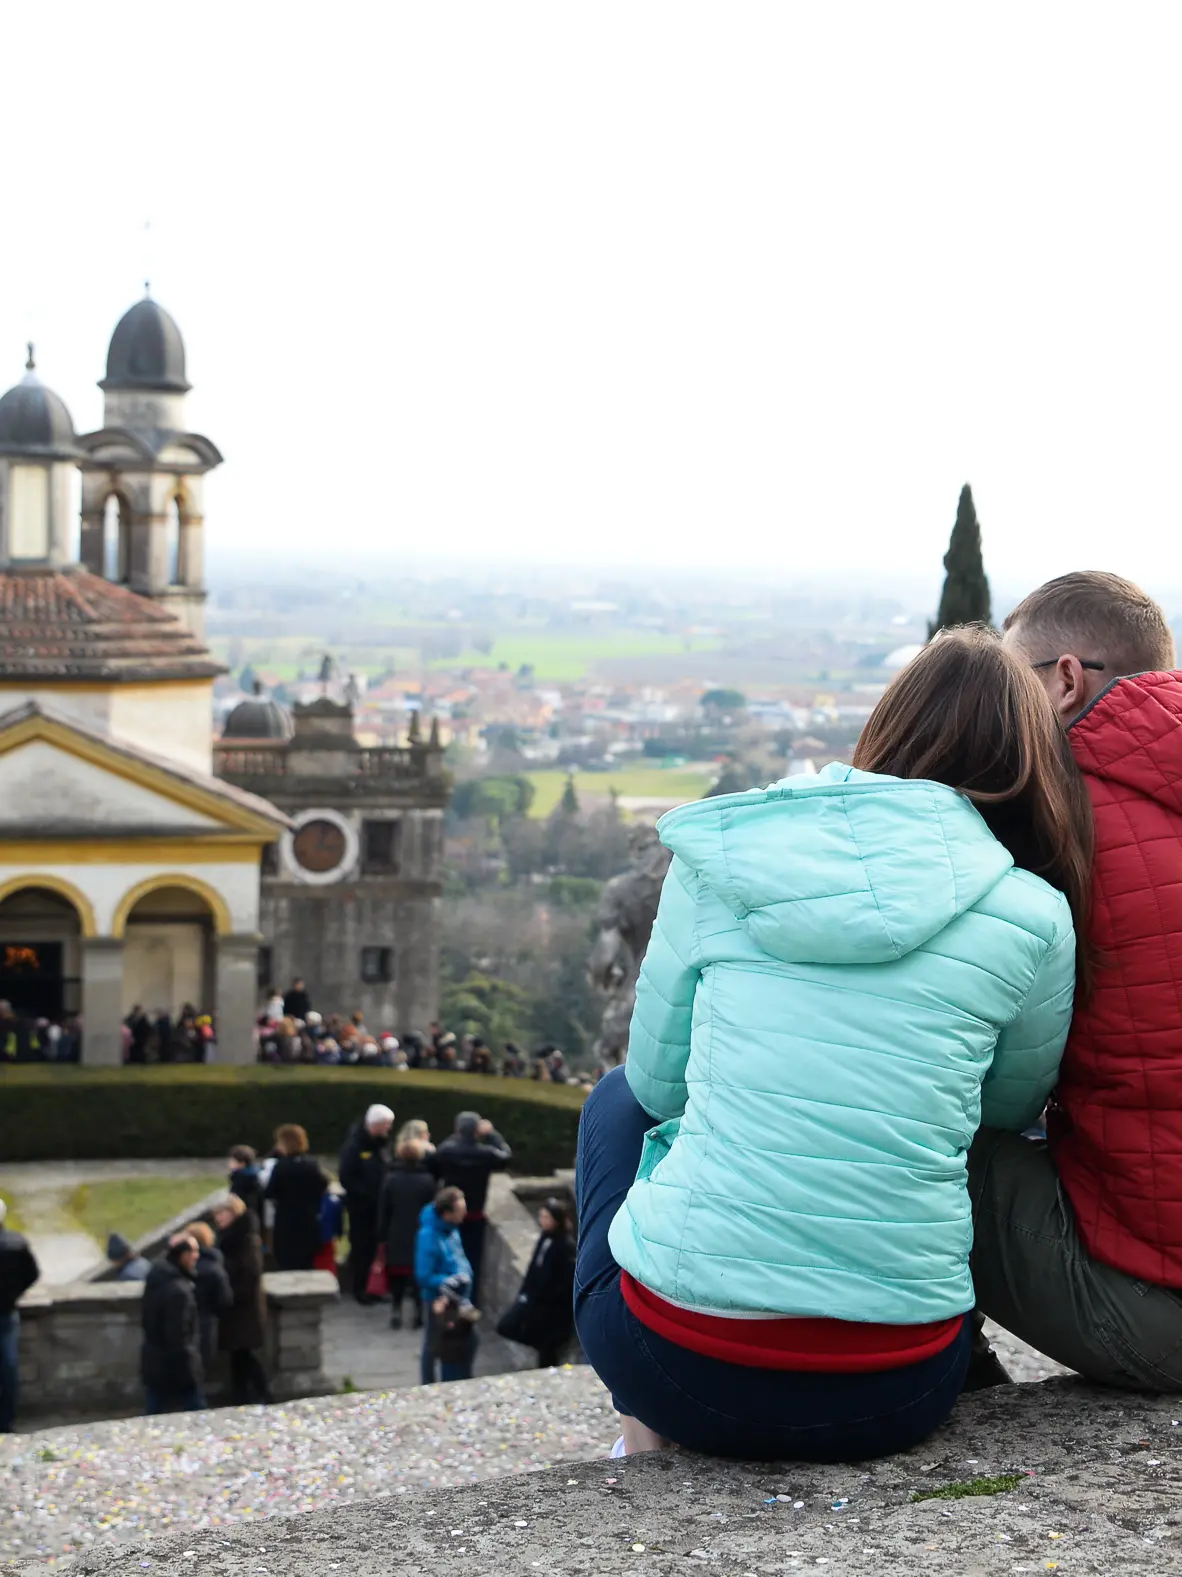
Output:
(1096, 617)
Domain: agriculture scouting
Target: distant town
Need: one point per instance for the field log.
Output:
(650, 696)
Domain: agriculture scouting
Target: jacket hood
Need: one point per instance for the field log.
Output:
(1131, 734)
(844, 867)
(430, 1217)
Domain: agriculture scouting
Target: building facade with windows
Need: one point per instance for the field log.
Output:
(352, 891)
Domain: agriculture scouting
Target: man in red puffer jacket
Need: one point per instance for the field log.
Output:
(1078, 1244)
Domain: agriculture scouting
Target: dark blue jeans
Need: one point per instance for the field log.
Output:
(428, 1363)
(10, 1338)
(707, 1405)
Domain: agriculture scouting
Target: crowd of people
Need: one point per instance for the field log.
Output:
(27, 1037)
(159, 1037)
(413, 1215)
(291, 1030)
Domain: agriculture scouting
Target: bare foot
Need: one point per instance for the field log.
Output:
(637, 1437)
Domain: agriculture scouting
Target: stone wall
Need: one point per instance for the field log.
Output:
(80, 1345)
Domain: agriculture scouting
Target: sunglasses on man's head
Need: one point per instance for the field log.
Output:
(1049, 662)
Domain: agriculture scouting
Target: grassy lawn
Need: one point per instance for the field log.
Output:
(635, 781)
(569, 657)
(135, 1205)
(553, 657)
(12, 1219)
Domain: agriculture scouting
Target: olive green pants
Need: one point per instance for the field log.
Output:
(1034, 1276)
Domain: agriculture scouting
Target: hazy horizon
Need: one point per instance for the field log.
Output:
(732, 289)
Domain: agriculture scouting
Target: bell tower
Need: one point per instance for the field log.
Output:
(38, 454)
(143, 519)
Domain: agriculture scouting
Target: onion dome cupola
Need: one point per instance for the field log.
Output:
(258, 717)
(34, 420)
(146, 352)
(143, 513)
(38, 456)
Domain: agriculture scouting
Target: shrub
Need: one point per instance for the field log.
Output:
(63, 1113)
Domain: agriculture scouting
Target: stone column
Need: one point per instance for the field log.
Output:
(236, 996)
(102, 1001)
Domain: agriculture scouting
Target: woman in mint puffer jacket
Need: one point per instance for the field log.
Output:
(848, 974)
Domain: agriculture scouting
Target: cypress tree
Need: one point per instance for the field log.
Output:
(965, 598)
(570, 800)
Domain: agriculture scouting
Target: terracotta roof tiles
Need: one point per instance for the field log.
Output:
(72, 624)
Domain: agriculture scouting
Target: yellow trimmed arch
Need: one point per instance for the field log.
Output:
(54, 884)
(223, 925)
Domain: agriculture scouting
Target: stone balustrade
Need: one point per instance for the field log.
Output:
(80, 1345)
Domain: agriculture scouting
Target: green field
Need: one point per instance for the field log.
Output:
(570, 657)
(554, 658)
(632, 781)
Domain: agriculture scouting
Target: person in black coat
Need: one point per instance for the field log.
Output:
(141, 1033)
(296, 1188)
(170, 1359)
(296, 1002)
(466, 1161)
(363, 1173)
(543, 1315)
(409, 1185)
(241, 1331)
(214, 1297)
(18, 1272)
(243, 1165)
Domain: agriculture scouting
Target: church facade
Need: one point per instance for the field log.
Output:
(131, 870)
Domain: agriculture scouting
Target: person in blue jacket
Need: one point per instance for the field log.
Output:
(444, 1279)
(849, 972)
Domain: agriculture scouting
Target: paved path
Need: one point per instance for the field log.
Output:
(359, 1345)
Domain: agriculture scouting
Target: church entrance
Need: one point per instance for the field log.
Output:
(40, 956)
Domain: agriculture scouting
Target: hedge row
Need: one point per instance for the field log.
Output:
(56, 1114)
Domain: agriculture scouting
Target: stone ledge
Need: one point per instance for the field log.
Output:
(1101, 1494)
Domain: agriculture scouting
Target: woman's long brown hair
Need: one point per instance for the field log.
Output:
(969, 713)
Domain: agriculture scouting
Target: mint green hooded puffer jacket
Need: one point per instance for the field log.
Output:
(847, 976)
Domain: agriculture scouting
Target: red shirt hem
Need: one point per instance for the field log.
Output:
(806, 1345)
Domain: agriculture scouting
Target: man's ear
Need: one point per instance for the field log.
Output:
(1069, 688)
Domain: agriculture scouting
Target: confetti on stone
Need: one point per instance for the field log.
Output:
(120, 1483)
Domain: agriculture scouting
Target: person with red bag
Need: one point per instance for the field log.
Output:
(1078, 1246)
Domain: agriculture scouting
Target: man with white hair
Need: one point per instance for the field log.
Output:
(363, 1172)
(18, 1272)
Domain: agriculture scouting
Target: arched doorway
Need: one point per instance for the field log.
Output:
(169, 952)
(41, 933)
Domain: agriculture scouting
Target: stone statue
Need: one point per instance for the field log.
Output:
(624, 923)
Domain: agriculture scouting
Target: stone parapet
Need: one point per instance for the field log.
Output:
(1029, 1478)
(80, 1344)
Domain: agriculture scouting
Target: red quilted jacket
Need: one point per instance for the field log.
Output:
(1115, 1123)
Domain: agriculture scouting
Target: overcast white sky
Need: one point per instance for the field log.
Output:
(756, 283)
